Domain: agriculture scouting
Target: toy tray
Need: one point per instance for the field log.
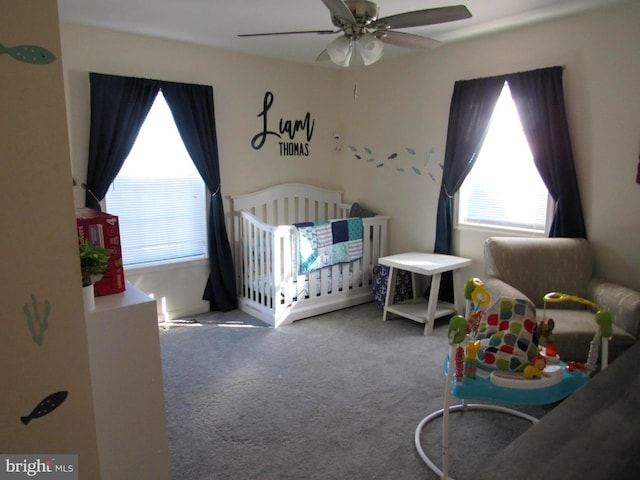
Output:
(482, 388)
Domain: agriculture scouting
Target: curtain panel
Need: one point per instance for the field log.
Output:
(119, 106)
(472, 105)
(539, 99)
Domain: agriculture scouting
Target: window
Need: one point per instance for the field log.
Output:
(159, 196)
(504, 188)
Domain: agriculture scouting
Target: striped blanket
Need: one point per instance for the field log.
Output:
(328, 242)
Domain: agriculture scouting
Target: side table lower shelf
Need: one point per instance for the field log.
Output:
(416, 309)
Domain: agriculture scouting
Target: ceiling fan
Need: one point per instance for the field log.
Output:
(363, 31)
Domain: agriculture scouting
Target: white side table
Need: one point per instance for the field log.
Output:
(433, 264)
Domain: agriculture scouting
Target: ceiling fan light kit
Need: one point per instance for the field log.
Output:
(340, 51)
(370, 48)
(362, 30)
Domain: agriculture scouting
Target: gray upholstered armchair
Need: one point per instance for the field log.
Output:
(533, 267)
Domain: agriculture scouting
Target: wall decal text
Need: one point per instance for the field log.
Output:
(290, 145)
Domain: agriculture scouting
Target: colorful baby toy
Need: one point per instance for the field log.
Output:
(494, 353)
(605, 331)
(546, 336)
(496, 343)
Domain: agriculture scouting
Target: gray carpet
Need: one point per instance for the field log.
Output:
(336, 396)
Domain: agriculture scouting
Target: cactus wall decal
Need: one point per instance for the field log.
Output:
(38, 322)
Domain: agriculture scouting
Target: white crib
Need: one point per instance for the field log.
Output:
(265, 254)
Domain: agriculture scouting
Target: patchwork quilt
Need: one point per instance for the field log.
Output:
(328, 242)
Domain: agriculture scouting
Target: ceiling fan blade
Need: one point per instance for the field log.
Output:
(407, 40)
(319, 32)
(324, 55)
(340, 10)
(430, 16)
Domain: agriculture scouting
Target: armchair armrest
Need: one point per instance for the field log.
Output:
(500, 288)
(623, 303)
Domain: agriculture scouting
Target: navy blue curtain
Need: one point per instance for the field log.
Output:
(539, 99)
(193, 112)
(472, 104)
(119, 106)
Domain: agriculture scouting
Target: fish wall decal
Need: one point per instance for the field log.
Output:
(398, 157)
(29, 54)
(46, 406)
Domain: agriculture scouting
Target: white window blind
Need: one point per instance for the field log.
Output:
(504, 188)
(159, 196)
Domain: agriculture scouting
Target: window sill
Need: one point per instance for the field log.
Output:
(503, 231)
(180, 264)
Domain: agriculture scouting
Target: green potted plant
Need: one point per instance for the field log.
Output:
(94, 261)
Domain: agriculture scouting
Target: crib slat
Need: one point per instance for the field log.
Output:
(237, 252)
(248, 265)
(267, 268)
(255, 272)
(250, 271)
(294, 216)
(324, 279)
(336, 273)
(369, 253)
(313, 285)
(278, 212)
(355, 280)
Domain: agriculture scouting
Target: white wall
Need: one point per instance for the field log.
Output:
(406, 103)
(397, 108)
(43, 341)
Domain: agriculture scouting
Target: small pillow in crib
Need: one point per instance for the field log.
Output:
(358, 210)
(506, 335)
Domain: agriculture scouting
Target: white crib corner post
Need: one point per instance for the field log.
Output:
(279, 242)
(383, 236)
(238, 242)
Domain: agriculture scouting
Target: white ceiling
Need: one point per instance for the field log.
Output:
(218, 22)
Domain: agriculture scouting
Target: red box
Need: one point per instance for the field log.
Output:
(103, 229)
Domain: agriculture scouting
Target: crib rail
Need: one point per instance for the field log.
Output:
(290, 203)
(264, 264)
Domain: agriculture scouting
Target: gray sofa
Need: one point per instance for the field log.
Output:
(593, 434)
(533, 267)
